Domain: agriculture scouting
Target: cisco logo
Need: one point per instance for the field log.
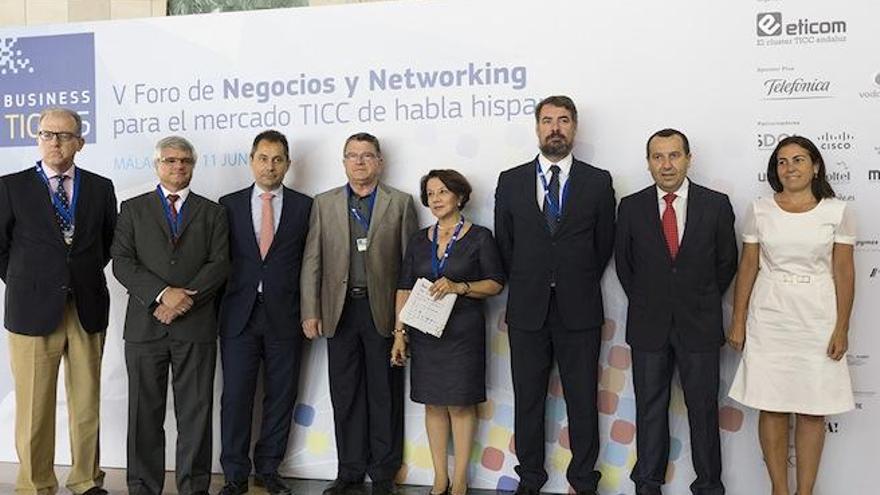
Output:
(841, 141)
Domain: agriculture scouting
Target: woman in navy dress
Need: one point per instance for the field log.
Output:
(448, 374)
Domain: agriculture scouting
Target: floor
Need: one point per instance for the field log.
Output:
(114, 482)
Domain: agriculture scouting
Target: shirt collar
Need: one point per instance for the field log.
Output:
(682, 191)
(51, 173)
(257, 191)
(564, 164)
(183, 193)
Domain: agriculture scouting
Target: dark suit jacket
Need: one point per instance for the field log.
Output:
(145, 261)
(575, 256)
(685, 293)
(279, 271)
(39, 269)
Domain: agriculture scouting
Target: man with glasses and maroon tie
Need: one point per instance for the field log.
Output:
(675, 254)
(56, 227)
(171, 252)
(259, 317)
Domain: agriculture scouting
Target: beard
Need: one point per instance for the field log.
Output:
(560, 147)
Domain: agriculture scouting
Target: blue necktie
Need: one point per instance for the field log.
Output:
(553, 216)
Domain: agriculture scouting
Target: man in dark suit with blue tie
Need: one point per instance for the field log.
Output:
(260, 317)
(56, 226)
(554, 223)
(675, 254)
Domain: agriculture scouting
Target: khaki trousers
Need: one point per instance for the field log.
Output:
(35, 361)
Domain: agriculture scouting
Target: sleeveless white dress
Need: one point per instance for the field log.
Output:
(793, 310)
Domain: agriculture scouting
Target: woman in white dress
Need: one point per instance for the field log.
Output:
(792, 303)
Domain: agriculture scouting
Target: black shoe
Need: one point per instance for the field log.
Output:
(343, 487)
(648, 490)
(444, 492)
(95, 490)
(384, 487)
(234, 488)
(525, 490)
(272, 483)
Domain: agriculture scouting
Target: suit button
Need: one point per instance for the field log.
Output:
(173, 262)
(64, 288)
(673, 269)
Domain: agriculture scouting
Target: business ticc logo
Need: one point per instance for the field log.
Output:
(39, 72)
(773, 30)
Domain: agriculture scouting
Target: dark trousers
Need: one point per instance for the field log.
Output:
(241, 357)
(367, 395)
(531, 359)
(652, 378)
(192, 370)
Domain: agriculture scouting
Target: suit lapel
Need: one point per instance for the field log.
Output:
(650, 207)
(191, 208)
(41, 192)
(286, 215)
(694, 214)
(246, 205)
(380, 206)
(339, 212)
(528, 192)
(157, 211)
(83, 205)
(573, 185)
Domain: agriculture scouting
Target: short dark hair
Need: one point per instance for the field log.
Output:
(271, 136)
(665, 133)
(454, 181)
(366, 137)
(561, 101)
(819, 186)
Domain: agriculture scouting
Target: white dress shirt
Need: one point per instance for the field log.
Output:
(564, 171)
(679, 204)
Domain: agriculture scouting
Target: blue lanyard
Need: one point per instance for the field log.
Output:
(371, 199)
(556, 209)
(68, 213)
(173, 224)
(438, 265)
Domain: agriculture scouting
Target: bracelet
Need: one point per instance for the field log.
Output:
(399, 331)
(467, 288)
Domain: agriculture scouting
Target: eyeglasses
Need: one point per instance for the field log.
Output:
(367, 157)
(173, 160)
(64, 137)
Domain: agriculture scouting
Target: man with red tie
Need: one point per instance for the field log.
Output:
(675, 253)
(260, 317)
(171, 252)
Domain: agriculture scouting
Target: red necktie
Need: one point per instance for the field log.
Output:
(172, 200)
(267, 224)
(670, 225)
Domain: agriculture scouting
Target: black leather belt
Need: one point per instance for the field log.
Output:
(357, 292)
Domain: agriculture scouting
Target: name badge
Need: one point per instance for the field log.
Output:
(361, 244)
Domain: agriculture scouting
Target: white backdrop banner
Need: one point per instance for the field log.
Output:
(454, 84)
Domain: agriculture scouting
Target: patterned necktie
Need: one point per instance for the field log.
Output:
(172, 207)
(552, 213)
(61, 196)
(670, 225)
(267, 224)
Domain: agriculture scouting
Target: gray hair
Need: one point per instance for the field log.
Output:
(175, 142)
(64, 111)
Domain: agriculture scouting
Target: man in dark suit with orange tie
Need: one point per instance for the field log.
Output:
(56, 226)
(554, 223)
(675, 254)
(171, 252)
(260, 317)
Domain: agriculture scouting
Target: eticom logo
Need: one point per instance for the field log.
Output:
(39, 72)
(803, 31)
(770, 24)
